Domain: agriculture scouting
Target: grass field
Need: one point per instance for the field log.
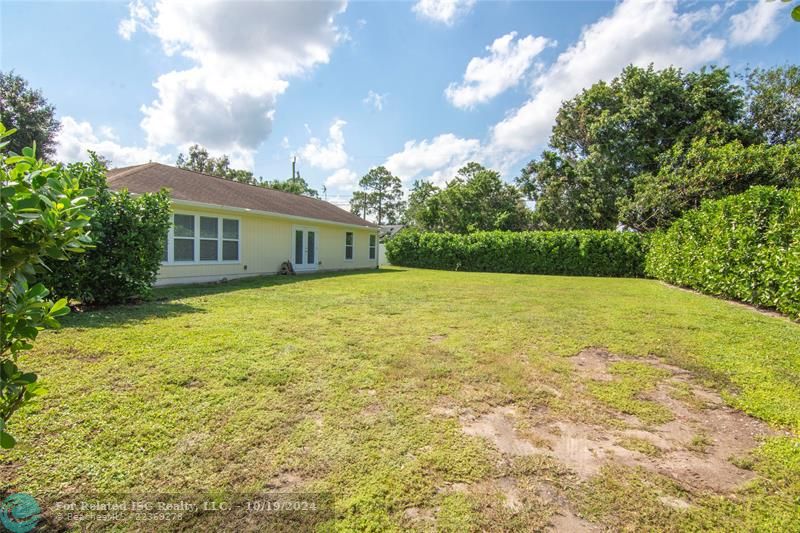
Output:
(427, 400)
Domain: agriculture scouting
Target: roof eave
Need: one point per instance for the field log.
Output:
(192, 203)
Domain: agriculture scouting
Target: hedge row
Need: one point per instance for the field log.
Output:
(745, 247)
(572, 253)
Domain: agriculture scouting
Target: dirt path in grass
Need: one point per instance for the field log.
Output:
(695, 440)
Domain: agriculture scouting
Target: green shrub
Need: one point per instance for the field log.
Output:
(44, 215)
(129, 234)
(571, 253)
(745, 247)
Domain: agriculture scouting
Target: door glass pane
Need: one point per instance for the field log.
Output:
(208, 228)
(208, 250)
(184, 250)
(230, 229)
(184, 225)
(311, 257)
(230, 250)
(298, 247)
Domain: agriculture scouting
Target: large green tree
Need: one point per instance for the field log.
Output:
(382, 196)
(476, 199)
(199, 160)
(612, 132)
(418, 205)
(773, 102)
(26, 110)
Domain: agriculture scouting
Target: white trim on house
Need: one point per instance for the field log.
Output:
(191, 203)
(372, 247)
(352, 246)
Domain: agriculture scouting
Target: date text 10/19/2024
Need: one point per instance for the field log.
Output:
(316, 507)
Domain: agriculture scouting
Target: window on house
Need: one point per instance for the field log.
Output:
(202, 238)
(372, 246)
(209, 238)
(183, 240)
(230, 239)
(348, 246)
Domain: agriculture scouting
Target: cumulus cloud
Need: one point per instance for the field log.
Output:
(75, 138)
(636, 32)
(327, 155)
(443, 11)
(343, 180)
(436, 157)
(486, 77)
(375, 100)
(241, 54)
(757, 23)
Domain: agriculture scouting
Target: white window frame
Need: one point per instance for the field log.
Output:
(219, 261)
(373, 248)
(352, 246)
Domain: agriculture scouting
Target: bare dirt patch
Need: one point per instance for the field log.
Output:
(497, 426)
(695, 448)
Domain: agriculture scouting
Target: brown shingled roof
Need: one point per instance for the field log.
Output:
(196, 187)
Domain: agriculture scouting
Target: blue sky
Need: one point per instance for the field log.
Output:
(420, 87)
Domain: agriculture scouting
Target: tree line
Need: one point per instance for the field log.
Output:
(635, 152)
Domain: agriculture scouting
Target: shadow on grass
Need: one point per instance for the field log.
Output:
(256, 282)
(165, 302)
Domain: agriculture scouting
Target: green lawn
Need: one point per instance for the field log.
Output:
(377, 387)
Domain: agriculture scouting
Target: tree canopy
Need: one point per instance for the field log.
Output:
(381, 195)
(296, 185)
(618, 149)
(773, 102)
(476, 199)
(29, 112)
(706, 170)
(199, 160)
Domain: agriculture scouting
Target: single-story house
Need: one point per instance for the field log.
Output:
(223, 229)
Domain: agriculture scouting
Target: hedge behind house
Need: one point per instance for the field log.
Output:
(745, 247)
(572, 253)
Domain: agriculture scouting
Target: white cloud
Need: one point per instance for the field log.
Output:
(375, 100)
(329, 155)
(443, 11)
(757, 23)
(139, 15)
(442, 154)
(635, 32)
(343, 180)
(75, 138)
(242, 54)
(486, 77)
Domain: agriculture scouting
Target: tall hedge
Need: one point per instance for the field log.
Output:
(745, 247)
(571, 253)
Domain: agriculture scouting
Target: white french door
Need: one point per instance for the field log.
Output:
(305, 243)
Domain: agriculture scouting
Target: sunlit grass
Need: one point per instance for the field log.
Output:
(331, 383)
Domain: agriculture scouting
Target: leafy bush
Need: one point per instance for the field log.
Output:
(571, 253)
(130, 234)
(745, 247)
(44, 216)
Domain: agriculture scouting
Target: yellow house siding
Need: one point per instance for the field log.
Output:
(265, 242)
